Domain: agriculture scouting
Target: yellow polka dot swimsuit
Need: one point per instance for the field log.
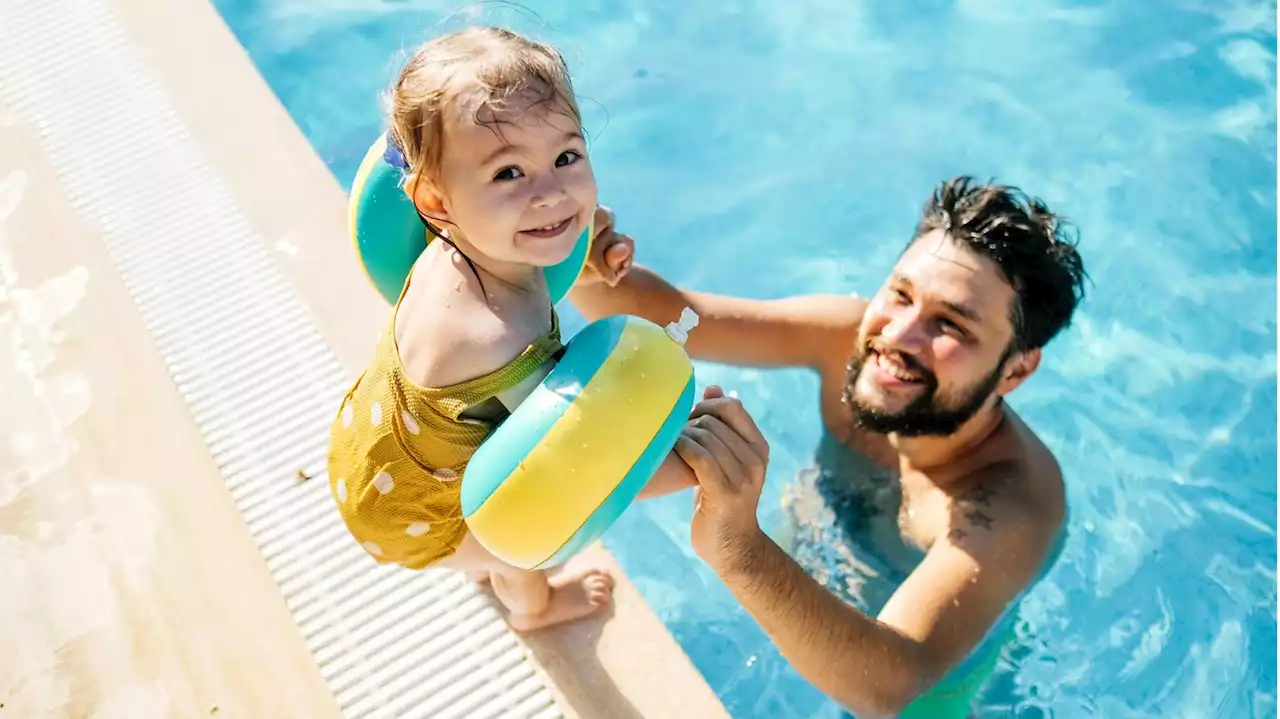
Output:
(398, 451)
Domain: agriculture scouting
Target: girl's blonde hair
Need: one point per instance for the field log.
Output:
(471, 69)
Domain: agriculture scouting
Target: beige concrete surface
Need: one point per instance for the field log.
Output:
(137, 584)
(129, 585)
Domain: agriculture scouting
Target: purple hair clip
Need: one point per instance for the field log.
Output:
(393, 156)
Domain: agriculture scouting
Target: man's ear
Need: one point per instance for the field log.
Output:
(1018, 369)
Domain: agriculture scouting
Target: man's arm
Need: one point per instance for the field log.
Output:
(994, 544)
(802, 331)
(992, 549)
(877, 666)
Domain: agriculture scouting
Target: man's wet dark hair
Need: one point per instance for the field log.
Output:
(1025, 240)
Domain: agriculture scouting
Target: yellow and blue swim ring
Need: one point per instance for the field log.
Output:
(573, 456)
(389, 234)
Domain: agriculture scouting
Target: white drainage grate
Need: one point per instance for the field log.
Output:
(260, 381)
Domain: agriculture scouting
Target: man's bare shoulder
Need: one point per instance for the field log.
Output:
(1013, 509)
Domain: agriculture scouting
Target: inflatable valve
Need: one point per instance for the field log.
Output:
(679, 330)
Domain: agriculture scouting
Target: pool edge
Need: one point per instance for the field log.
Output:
(626, 664)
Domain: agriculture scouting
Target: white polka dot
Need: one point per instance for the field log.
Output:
(372, 548)
(348, 416)
(417, 529)
(375, 414)
(342, 490)
(410, 422)
(383, 483)
(445, 475)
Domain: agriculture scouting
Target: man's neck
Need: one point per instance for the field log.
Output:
(922, 454)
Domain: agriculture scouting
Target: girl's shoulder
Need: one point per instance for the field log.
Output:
(448, 332)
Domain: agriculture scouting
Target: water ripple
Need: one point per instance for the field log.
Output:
(802, 145)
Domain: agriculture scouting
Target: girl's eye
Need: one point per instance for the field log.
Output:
(507, 174)
(568, 157)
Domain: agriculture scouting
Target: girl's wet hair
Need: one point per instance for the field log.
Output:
(477, 70)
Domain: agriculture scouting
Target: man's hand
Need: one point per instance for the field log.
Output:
(729, 456)
(611, 253)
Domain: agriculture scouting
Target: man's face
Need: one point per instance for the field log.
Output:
(934, 345)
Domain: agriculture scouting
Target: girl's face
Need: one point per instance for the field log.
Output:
(515, 183)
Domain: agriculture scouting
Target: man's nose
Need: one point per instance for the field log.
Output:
(904, 332)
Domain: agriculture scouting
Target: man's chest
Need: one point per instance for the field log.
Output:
(923, 516)
(907, 510)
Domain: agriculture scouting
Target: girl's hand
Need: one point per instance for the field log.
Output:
(611, 253)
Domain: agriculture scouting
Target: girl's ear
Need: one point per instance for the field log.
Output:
(426, 198)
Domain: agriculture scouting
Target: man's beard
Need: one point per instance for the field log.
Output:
(929, 414)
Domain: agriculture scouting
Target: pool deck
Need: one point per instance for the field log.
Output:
(133, 586)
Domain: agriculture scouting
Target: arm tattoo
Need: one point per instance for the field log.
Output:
(980, 493)
(973, 507)
(978, 519)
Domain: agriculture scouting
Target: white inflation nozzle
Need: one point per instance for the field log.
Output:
(679, 330)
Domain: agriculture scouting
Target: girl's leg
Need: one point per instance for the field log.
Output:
(537, 599)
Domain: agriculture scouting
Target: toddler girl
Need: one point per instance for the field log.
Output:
(497, 167)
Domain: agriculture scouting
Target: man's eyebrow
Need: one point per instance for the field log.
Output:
(964, 311)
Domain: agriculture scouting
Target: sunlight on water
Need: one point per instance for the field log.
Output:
(767, 149)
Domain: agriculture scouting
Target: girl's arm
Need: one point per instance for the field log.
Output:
(672, 476)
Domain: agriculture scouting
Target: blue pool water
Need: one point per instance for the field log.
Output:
(766, 149)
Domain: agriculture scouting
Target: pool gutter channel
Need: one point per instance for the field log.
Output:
(215, 303)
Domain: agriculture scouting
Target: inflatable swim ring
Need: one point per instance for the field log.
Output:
(563, 467)
(389, 235)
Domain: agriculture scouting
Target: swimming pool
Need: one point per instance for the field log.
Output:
(766, 151)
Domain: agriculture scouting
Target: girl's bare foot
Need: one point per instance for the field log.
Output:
(574, 595)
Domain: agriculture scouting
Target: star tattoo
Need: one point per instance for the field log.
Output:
(978, 519)
(980, 494)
